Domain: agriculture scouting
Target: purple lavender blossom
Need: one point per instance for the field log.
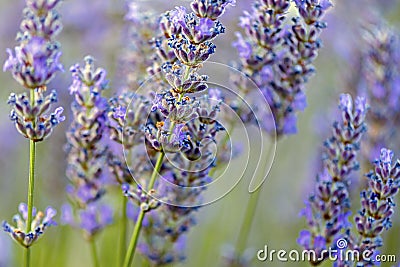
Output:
(180, 126)
(34, 122)
(210, 8)
(327, 208)
(95, 217)
(87, 156)
(137, 55)
(380, 83)
(41, 221)
(285, 52)
(36, 60)
(377, 208)
(33, 64)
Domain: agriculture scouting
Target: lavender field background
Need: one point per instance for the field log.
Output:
(96, 27)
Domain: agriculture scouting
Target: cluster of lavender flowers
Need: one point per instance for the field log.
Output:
(137, 55)
(87, 155)
(377, 208)
(278, 56)
(33, 64)
(328, 207)
(379, 81)
(39, 224)
(170, 122)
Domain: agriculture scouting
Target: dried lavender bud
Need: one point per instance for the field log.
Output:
(328, 207)
(159, 138)
(143, 199)
(175, 78)
(178, 111)
(41, 221)
(34, 64)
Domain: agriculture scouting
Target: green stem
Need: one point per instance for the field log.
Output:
(95, 257)
(249, 216)
(134, 240)
(138, 226)
(31, 184)
(247, 222)
(122, 237)
(27, 253)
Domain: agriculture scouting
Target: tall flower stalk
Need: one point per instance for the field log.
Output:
(377, 209)
(277, 55)
(33, 64)
(134, 60)
(174, 126)
(328, 207)
(379, 82)
(87, 156)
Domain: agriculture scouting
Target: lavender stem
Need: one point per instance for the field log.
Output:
(249, 216)
(157, 167)
(122, 238)
(247, 222)
(93, 250)
(134, 240)
(31, 182)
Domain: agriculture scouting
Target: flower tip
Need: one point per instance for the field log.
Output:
(386, 156)
(346, 102)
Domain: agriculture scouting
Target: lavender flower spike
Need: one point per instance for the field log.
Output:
(33, 64)
(39, 225)
(35, 61)
(379, 82)
(179, 124)
(86, 155)
(327, 208)
(279, 58)
(377, 207)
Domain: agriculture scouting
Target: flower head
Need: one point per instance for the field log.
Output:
(39, 225)
(279, 58)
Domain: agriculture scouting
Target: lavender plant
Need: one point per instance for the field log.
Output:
(135, 58)
(177, 125)
(137, 55)
(379, 82)
(328, 207)
(87, 155)
(377, 209)
(33, 64)
(277, 55)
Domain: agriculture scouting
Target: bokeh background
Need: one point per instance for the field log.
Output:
(95, 27)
